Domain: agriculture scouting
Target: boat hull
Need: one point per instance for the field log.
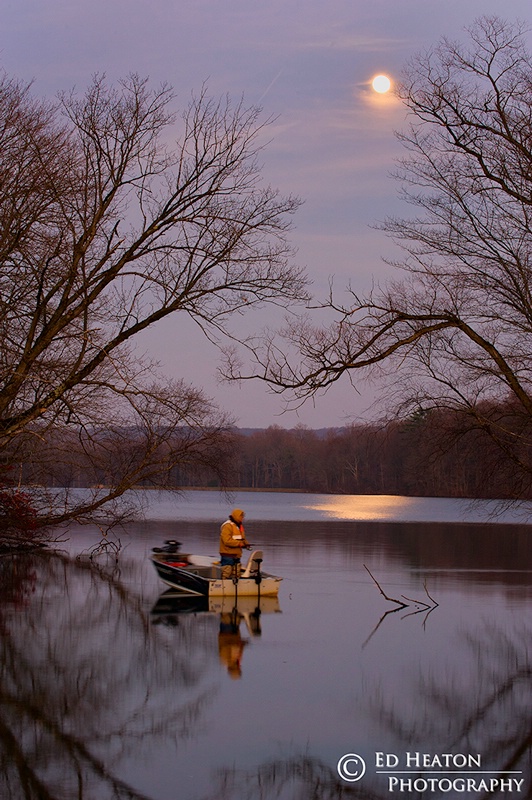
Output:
(207, 582)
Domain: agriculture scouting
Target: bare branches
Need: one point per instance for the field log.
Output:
(455, 331)
(106, 228)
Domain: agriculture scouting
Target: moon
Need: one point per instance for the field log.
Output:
(381, 84)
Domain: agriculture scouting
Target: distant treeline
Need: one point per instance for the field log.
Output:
(425, 456)
(430, 454)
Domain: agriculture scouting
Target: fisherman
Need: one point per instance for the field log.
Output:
(232, 542)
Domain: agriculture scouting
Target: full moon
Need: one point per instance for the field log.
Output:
(381, 84)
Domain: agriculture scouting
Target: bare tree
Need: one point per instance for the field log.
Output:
(455, 330)
(107, 227)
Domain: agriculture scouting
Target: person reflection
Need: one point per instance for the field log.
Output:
(230, 642)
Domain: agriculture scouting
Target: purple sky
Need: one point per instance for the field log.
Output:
(306, 62)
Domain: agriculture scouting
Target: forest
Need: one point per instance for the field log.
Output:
(432, 453)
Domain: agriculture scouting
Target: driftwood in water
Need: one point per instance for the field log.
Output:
(379, 587)
(420, 605)
(409, 600)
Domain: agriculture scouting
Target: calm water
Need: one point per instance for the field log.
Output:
(112, 690)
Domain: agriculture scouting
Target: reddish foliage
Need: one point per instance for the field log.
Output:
(16, 510)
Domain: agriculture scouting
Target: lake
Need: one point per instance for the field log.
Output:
(398, 653)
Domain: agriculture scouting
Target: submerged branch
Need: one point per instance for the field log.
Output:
(379, 587)
(420, 605)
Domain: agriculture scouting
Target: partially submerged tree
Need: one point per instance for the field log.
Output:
(106, 227)
(456, 330)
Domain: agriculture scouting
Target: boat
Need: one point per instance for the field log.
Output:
(202, 575)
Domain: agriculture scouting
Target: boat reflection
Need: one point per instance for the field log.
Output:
(245, 616)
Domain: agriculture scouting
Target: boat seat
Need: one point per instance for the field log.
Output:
(202, 561)
(251, 566)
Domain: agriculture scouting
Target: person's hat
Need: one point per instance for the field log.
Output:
(237, 514)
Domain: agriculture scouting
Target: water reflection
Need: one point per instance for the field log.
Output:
(85, 679)
(483, 710)
(111, 690)
(302, 506)
(371, 507)
(481, 707)
(297, 777)
(246, 614)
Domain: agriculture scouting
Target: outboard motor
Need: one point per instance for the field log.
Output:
(171, 546)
